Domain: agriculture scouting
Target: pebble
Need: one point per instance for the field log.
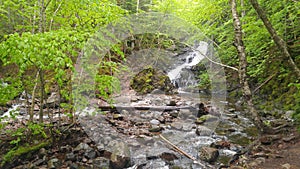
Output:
(154, 122)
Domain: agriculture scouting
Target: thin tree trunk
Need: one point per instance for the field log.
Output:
(31, 112)
(243, 66)
(137, 6)
(281, 44)
(41, 114)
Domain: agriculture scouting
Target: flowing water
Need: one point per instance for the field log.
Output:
(181, 76)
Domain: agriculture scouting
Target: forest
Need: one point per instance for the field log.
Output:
(179, 84)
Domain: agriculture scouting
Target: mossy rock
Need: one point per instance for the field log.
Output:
(149, 79)
(15, 153)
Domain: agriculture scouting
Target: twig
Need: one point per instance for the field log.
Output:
(265, 82)
(54, 14)
(182, 152)
(217, 63)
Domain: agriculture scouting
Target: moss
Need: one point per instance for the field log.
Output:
(149, 79)
(17, 152)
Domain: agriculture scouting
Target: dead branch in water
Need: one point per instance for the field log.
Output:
(184, 153)
(164, 108)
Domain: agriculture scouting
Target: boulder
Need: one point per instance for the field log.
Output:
(120, 157)
(150, 79)
(208, 154)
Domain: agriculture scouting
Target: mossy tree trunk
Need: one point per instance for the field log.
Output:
(281, 44)
(238, 42)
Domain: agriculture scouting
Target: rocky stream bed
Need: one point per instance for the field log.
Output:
(190, 135)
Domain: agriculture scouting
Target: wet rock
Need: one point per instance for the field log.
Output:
(221, 144)
(118, 116)
(101, 163)
(203, 131)
(154, 122)
(71, 157)
(208, 154)
(174, 114)
(184, 113)
(120, 157)
(168, 156)
(155, 128)
(157, 91)
(228, 153)
(202, 110)
(54, 163)
(207, 118)
(188, 126)
(177, 125)
(82, 146)
(171, 103)
(90, 154)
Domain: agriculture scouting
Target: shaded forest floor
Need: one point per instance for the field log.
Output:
(280, 151)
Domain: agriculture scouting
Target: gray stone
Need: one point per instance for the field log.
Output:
(101, 163)
(174, 114)
(177, 125)
(42, 152)
(154, 122)
(171, 103)
(155, 128)
(90, 154)
(39, 162)
(71, 157)
(185, 113)
(73, 166)
(168, 156)
(82, 146)
(120, 157)
(54, 163)
(203, 131)
(188, 126)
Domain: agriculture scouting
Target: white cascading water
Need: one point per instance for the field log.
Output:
(182, 78)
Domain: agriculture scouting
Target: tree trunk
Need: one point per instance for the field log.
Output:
(41, 114)
(281, 44)
(243, 66)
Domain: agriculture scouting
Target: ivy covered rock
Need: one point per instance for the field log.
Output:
(149, 79)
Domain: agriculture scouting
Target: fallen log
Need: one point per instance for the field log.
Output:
(162, 108)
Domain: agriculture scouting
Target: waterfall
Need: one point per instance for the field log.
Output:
(181, 76)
